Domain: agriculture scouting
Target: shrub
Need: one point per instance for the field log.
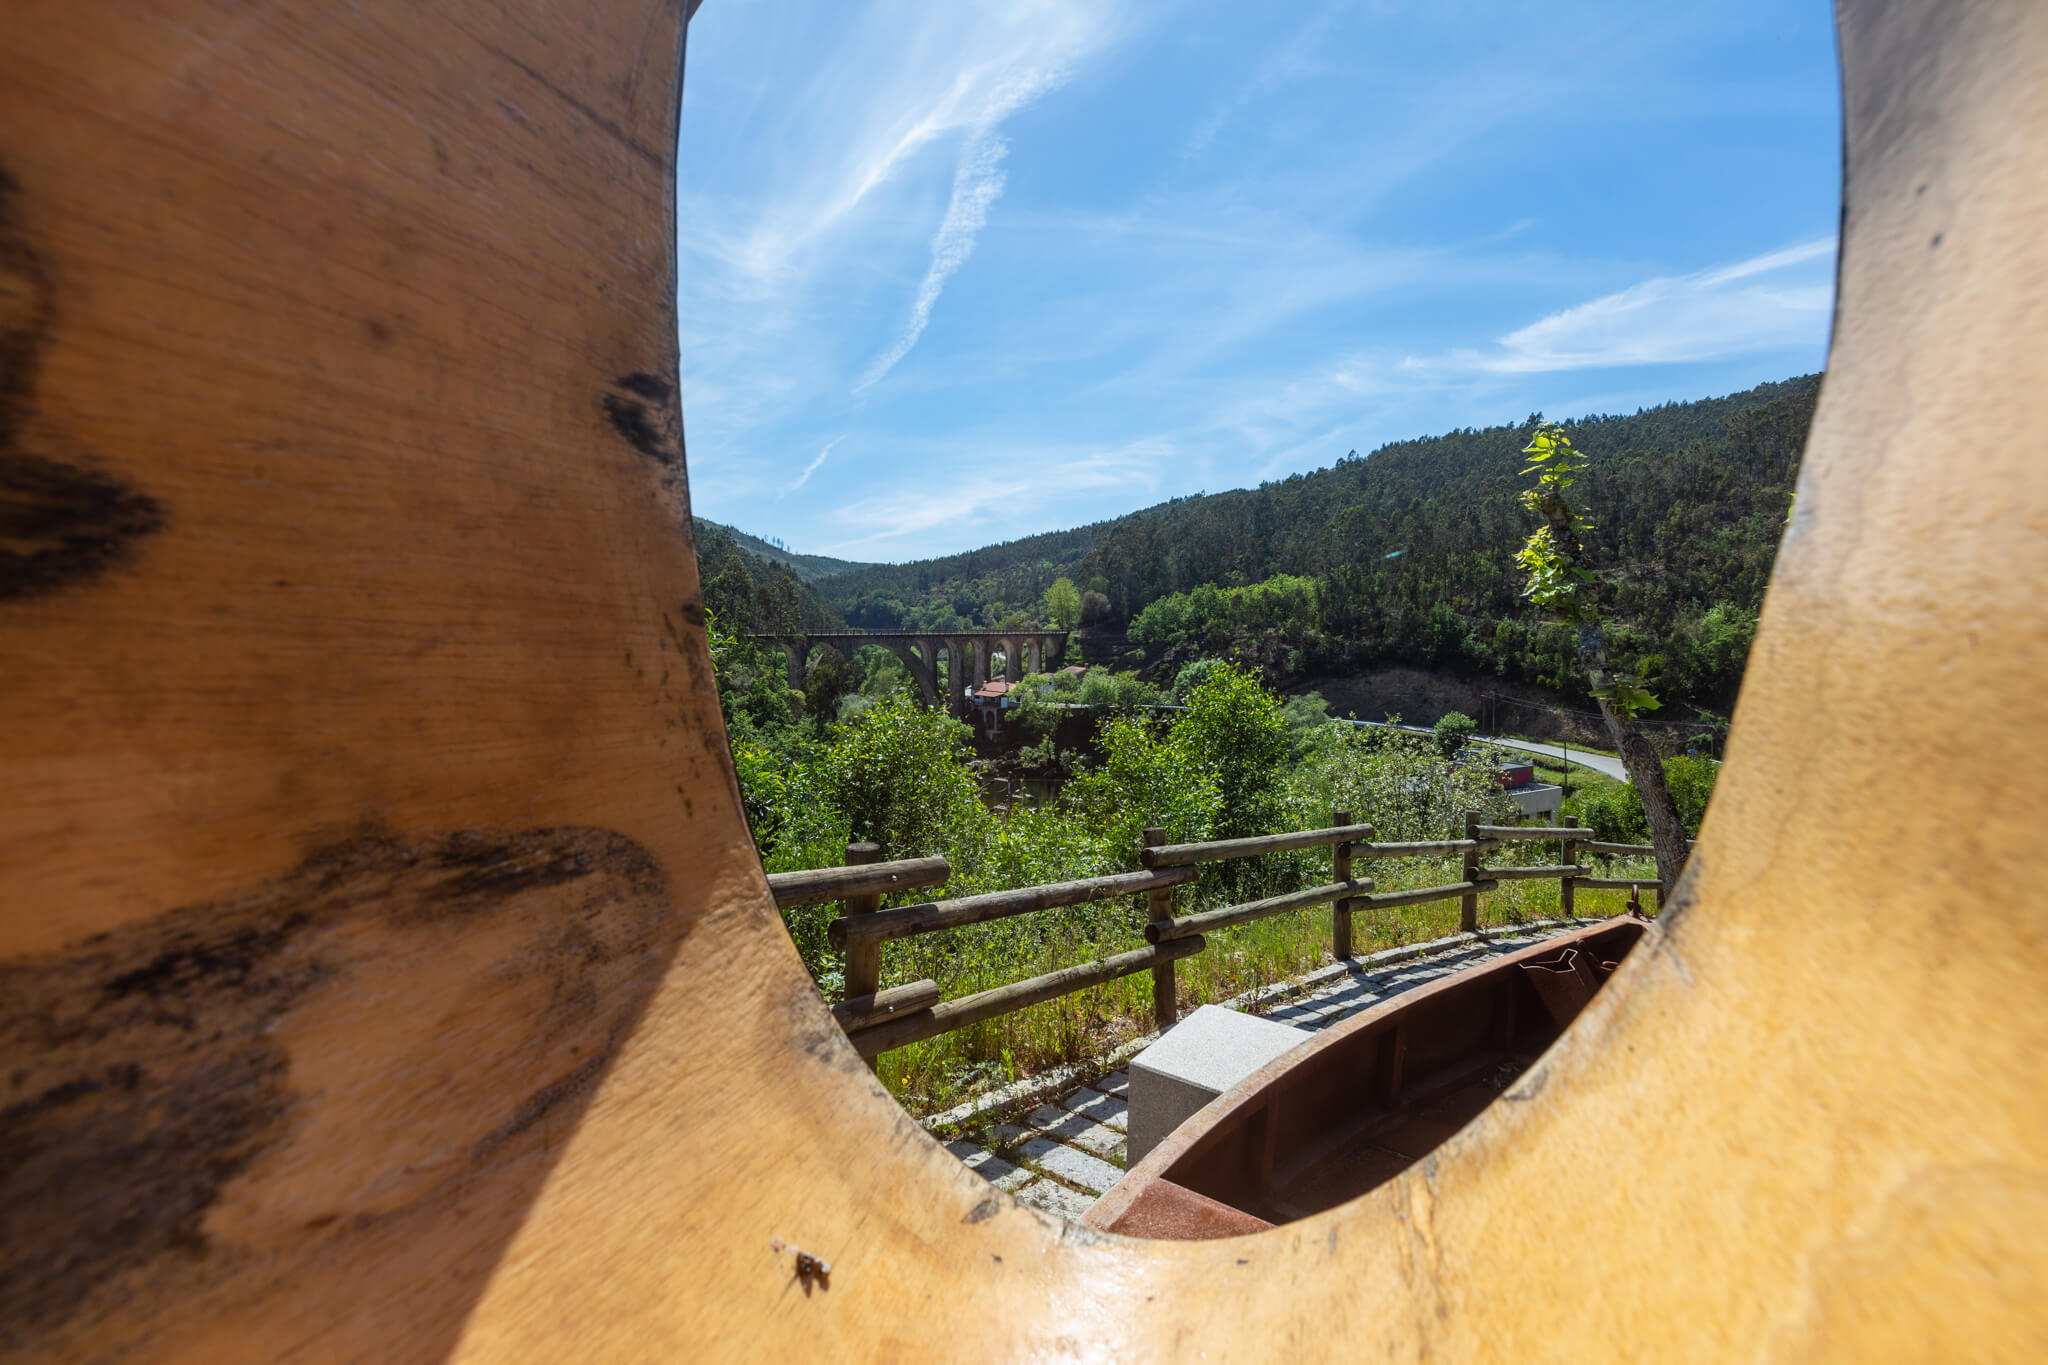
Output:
(1614, 812)
(1611, 811)
(1453, 733)
(1395, 782)
(1233, 729)
(896, 772)
(1191, 675)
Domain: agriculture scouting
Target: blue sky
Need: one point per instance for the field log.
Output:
(956, 271)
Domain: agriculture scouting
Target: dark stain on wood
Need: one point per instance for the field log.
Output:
(648, 386)
(148, 1069)
(642, 409)
(60, 523)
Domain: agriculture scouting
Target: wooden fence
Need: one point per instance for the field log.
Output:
(878, 1020)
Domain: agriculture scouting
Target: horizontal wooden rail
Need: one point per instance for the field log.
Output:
(1425, 849)
(1183, 855)
(1520, 874)
(868, 879)
(865, 1011)
(904, 921)
(882, 1020)
(1422, 895)
(1622, 850)
(1167, 930)
(972, 1009)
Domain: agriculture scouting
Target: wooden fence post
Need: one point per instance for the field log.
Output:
(1468, 904)
(1568, 854)
(1340, 910)
(1159, 910)
(863, 967)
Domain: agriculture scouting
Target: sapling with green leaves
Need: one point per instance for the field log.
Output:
(1558, 581)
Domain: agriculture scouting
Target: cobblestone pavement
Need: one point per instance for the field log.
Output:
(1062, 1155)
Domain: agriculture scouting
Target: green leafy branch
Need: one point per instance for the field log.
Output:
(1555, 580)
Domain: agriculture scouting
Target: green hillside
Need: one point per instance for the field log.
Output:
(747, 592)
(1406, 555)
(809, 568)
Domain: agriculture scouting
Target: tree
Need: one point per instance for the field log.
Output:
(1453, 731)
(1233, 728)
(896, 773)
(1191, 675)
(1063, 604)
(1559, 582)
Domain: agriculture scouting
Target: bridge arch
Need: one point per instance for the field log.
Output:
(919, 651)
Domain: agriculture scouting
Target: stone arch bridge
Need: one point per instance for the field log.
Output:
(967, 654)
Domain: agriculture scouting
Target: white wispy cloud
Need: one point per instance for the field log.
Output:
(1760, 304)
(976, 184)
(812, 467)
(814, 181)
(998, 495)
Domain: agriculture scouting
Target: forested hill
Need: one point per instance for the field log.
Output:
(959, 591)
(1409, 553)
(748, 593)
(809, 568)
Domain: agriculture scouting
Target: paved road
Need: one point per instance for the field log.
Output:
(1597, 762)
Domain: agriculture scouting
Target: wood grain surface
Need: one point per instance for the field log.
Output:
(388, 974)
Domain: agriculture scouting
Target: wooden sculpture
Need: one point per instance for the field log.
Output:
(388, 974)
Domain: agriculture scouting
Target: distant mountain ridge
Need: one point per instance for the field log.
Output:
(809, 568)
(1408, 553)
(746, 591)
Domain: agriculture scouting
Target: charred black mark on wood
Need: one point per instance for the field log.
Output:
(480, 871)
(149, 1068)
(647, 386)
(642, 409)
(60, 523)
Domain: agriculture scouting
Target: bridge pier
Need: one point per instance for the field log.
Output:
(968, 656)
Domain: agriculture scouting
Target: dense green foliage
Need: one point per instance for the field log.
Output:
(1406, 556)
(1614, 812)
(808, 568)
(1234, 761)
(993, 586)
(748, 593)
(1043, 700)
(1452, 732)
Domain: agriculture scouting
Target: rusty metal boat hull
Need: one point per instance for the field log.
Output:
(1364, 1101)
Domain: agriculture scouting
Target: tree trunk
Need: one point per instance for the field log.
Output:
(1645, 770)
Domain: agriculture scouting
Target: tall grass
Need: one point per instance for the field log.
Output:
(1231, 764)
(933, 1075)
